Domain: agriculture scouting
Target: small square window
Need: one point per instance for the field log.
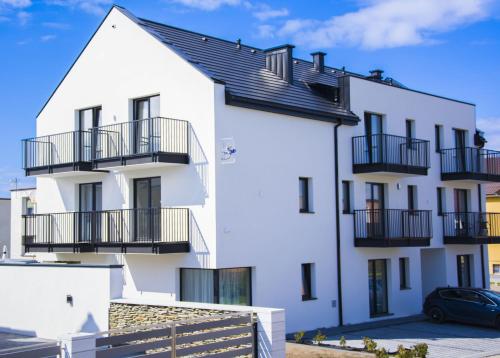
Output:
(404, 273)
(308, 282)
(496, 268)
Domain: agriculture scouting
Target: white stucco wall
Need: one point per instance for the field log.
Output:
(35, 299)
(396, 105)
(16, 211)
(123, 72)
(5, 225)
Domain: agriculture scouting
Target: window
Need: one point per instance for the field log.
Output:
(230, 286)
(377, 281)
(412, 197)
(440, 201)
(346, 197)
(404, 273)
(146, 134)
(90, 202)
(449, 294)
(307, 282)
(464, 270)
(410, 125)
(438, 137)
(304, 199)
(496, 268)
(28, 206)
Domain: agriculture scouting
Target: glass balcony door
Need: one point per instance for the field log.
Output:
(462, 219)
(377, 278)
(89, 214)
(147, 202)
(374, 131)
(88, 120)
(461, 151)
(375, 209)
(146, 133)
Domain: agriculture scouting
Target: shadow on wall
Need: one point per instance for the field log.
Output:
(90, 325)
(199, 160)
(198, 243)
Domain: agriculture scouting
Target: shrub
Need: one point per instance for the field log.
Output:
(342, 342)
(299, 337)
(421, 350)
(405, 353)
(381, 353)
(319, 337)
(370, 344)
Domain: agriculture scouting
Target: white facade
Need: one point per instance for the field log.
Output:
(246, 213)
(5, 226)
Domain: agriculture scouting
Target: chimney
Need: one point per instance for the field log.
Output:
(319, 61)
(376, 74)
(279, 60)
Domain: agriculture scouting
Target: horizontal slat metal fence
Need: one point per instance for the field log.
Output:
(392, 224)
(39, 350)
(227, 335)
(390, 149)
(150, 225)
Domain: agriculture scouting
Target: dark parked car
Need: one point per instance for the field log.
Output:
(468, 305)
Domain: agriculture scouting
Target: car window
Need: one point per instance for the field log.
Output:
(495, 296)
(475, 297)
(449, 294)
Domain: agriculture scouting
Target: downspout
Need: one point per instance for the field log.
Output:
(337, 223)
(481, 247)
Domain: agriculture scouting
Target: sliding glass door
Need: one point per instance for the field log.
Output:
(375, 209)
(89, 139)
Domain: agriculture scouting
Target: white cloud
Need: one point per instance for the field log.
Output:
(47, 38)
(18, 4)
(266, 31)
(207, 5)
(491, 128)
(23, 17)
(265, 12)
(56, 25)
(387, 23)
(94, 7)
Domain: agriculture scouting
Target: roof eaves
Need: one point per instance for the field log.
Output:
(273, 107)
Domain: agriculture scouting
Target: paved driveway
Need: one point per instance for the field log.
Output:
(9, 340)
(444, 340)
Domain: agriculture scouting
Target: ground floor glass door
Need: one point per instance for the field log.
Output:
(377, 278)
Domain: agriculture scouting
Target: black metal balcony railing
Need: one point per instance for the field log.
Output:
(153, 139)
(470, 163)
(471, 228)
(390, 153)
(141, 137)
(55, 151)
(392, 227)
(158, 230)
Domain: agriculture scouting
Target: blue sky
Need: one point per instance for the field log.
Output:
(446, 47)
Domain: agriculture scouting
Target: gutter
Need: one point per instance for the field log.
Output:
(481, 247)
(337, 224)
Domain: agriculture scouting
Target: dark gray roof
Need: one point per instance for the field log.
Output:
(243, 71)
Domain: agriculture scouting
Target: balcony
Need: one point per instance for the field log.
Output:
(392, 228)
(391, 154)
(152, 230)
(152, 140)
(471, 228)
(470, 164)
(57, 153)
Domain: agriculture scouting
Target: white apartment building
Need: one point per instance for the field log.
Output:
(218, 172)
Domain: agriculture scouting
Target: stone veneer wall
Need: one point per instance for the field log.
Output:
(129, 315)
